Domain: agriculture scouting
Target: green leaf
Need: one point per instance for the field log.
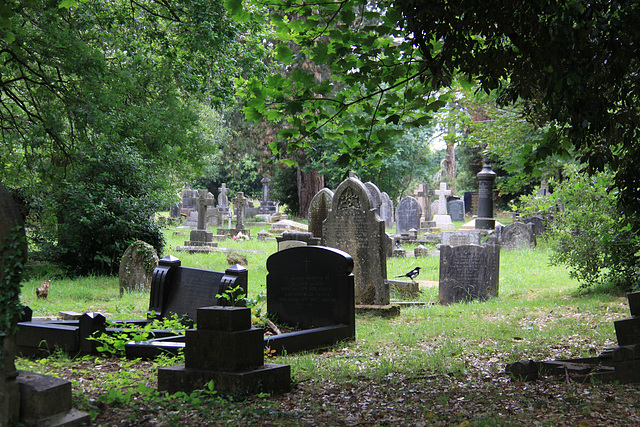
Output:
(283, 53)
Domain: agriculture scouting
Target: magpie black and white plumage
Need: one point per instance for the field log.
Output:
(412, 274)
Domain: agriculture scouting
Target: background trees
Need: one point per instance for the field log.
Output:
(101, 112)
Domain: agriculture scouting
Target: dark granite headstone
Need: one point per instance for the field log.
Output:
(471, 202)
(319, 210)
(310, 287)
(517, 235)
(468, 273)
(408, 215)
(181, 290)
(354, 227)
(455, 209)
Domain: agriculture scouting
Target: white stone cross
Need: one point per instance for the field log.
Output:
(442, 200)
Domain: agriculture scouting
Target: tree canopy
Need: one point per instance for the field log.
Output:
(573, 65)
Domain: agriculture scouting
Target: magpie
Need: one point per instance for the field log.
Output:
(412, 274)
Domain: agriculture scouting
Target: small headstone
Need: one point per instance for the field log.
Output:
(468, 273)
(434, 208)
(262, 235)
(517, 235)
(408, 215)
(386, 210)
(136, 267)
(420, 251)
(318, 211)
(354, 227)
(471, 202)
(455, 208)
(311, 286)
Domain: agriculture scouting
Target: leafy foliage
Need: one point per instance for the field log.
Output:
(592, 236)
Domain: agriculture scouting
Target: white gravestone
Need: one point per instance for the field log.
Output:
(443, 221)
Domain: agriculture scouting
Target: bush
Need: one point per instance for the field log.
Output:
(591, 235)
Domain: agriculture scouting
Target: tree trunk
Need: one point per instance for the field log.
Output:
(450, 170)
(308, 185)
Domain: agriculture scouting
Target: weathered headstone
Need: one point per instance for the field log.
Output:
(442, 219)
(386, 210)
(223, 200)
(239, 205)
(468, 273)
(376, 196)
(188, 196)
(408, 215)
(136, 267)
(267, 206)
(461, 238)
(319, 210)
(517, 235)
(455, 208)
(311, 287)
(354, 227)
(538, 224)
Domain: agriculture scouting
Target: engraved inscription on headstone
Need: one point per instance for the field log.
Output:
(468, 273)
(408, 215)
(353, 226)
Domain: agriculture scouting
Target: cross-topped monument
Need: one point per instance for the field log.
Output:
(201, 202)
(223, 200)
(443, 221)
(239, 203)
(422, 194)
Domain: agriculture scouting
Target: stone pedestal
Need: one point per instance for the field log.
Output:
(443, 222)
(225, 349)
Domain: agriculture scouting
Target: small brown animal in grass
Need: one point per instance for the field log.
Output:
(43, 291)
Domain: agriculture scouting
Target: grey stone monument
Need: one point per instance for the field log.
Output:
(386, 210)
(455, 208)
(201, 236)
(376, 196)
(423, 193)
(239, 204)
(408, 215)
(442, 219)
(223, 200)
(267, 206)
(468, 273)
(318, 211)
(353, 226)
(517, 235)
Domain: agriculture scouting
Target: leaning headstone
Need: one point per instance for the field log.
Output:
(319, 210)
(468, 273)
(354, 227)
(386, 210)
(408, 215)
(311, 287)
(136, 267)
(517, 235)
(442, 219)
(11, 260)
(455, 208)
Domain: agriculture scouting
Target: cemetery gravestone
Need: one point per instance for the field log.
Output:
(537, 223)
(461, 238)
(455, 208)
(201, 236)
(239, 204)
(386, 210)
(376, 196)
(471, 202)
(354, 227)
(442, 219)
(136, 267)
(518, 235)
(181, 290)
(408, 215)
(319, 210)
(468, 273)
(311, 287)
(223, 200)
(267, 206)
(422, 195)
